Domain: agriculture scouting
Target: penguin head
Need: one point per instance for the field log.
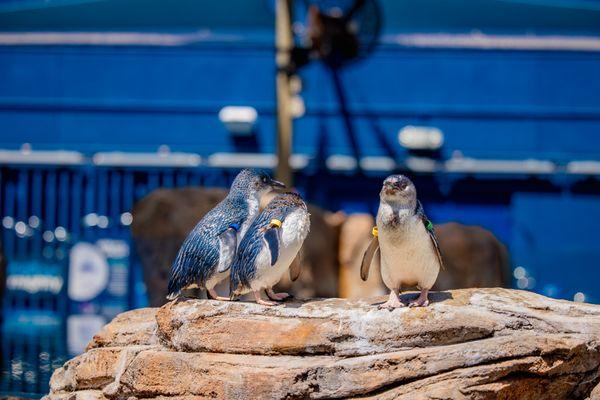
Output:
(255, 181)
(398, 189)
(288, 199)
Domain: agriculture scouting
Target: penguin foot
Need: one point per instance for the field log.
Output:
(267, 302)
(277, 296)
(213, 295)
(390, 305)
(393, 301)
(262, 302)
(422, 301)
(418, 303)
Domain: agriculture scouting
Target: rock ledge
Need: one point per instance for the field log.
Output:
(469, 344)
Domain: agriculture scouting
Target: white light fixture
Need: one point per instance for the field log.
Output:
(579, 297)
(340, 162)
(102, 221)
(162, 158)
(8, 222)
(60, 234)
(238, 120)
(34, 221)
(421, 137)
(377, 163)
(297, 107)
(126, 218)
(519, 273)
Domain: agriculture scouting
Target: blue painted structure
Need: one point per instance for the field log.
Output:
(166, 86)
(491, 104)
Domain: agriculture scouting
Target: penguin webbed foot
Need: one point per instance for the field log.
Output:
(262, 302)
(392, 303)
(278, 296)
(267, 303)
(421, 301)
(212, 294)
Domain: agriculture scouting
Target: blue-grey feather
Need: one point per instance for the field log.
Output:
(272, 239)
(420, 212)
(198, 257)
(243, 268)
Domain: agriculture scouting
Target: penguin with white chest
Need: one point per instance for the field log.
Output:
(405, 241)
(269, 249)
(207, 252)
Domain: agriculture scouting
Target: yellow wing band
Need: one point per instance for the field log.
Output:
(375, 231)
(276, 222)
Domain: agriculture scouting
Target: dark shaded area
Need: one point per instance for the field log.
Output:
(3, 266)
(434, 297)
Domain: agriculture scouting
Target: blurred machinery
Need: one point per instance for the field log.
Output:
(496, 121)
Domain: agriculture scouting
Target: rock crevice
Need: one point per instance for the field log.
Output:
(469, 344)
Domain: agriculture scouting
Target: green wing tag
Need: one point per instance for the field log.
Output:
(429, 226)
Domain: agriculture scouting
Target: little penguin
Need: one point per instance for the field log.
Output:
(270, 248)
(405, 241)
(206, 254)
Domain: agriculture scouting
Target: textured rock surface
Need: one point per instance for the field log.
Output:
(469, 344)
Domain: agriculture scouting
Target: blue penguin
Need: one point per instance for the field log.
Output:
(406, 243)
(270, 247)
(206, 254)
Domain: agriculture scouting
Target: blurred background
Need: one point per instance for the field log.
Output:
(123, 121)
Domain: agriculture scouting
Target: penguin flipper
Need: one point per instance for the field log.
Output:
(368, 258)
(272, 238)
(227, 247)
(295, 267)
(431, 231)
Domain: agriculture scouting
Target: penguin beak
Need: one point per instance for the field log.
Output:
(390, 187)
(276, 184)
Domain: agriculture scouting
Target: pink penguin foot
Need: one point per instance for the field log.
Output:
(277, 296)
(421, 301)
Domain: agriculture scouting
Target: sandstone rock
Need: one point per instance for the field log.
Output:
(469, 344)
(355, 236)
(473, 257)
(136, 327)
(595, 394)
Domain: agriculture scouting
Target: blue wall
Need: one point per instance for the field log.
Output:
(498, 104)
(490, 103)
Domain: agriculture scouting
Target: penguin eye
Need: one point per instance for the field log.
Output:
(264, 179)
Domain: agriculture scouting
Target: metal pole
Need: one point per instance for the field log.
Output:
(283, 46)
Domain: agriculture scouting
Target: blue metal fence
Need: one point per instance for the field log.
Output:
(47, 210)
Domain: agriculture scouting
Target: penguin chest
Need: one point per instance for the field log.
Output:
(407, 256)
(294, 230)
